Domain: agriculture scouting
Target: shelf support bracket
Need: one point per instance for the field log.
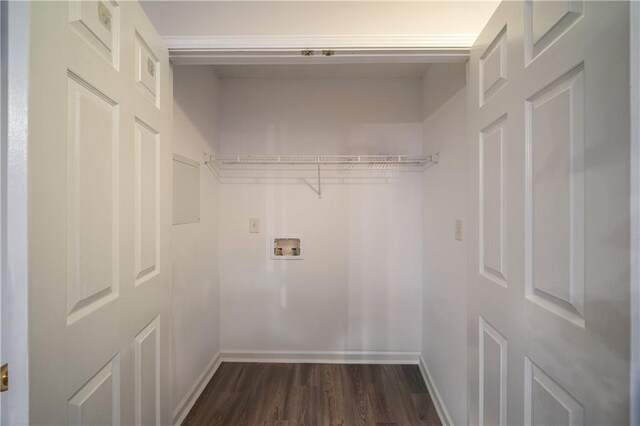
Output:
(319, 189)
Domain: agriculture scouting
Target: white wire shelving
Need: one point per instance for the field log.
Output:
(320, 163)
(343, 160)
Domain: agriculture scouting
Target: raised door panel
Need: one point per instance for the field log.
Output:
(147, 359)
(546, 21)
(147, 69)
(92, 199)
(98, 401)
(493, 375)
(493, 67)
(492, 221)
(98, 23)
(556, 197)
(548, 403)
(147, 169)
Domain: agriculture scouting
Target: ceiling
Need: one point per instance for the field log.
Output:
(366, 71)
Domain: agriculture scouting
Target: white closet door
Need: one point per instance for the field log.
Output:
(549, 215)
(99, 188)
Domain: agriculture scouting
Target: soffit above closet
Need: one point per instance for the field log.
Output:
(314, 32)
(318, 71)
(320, 18)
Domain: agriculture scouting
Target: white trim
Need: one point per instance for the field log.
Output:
(238, 50)
(183, 408)
(15, 285)
(185, 160)
(635, 212)
(294, 58)
(445, 418)
(322, 357)
(336, 42)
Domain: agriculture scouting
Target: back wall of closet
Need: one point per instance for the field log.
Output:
(358, 287)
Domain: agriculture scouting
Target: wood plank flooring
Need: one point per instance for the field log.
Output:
(314, 394)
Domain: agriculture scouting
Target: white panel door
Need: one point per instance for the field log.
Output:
(549, 215)
(99, 194)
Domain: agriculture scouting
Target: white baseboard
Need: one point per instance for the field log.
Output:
(183, 408)
(322, 357)
(445, 418)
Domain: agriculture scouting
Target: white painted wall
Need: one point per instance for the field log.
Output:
(320, 116)
(444, 261)
(195, 291)
(439, 83)
(359, 285)
(173, 18)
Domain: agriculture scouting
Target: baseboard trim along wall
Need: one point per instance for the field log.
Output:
(445, 418)
(183, 408)
(322, 357)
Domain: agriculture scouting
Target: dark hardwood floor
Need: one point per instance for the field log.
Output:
(314, 394)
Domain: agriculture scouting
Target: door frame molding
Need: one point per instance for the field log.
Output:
(15, 203)
(634, 52)
(271, 49)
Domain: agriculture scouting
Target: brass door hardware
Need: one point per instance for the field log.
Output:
(4, 378)
(104, 16)
(151, 67)
(310, 52)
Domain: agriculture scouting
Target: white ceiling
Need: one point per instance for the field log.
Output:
(367, 71)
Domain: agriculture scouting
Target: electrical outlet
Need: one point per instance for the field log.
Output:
(459, 229)
(254, 225)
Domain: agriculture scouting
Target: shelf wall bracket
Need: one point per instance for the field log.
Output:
(319, 189)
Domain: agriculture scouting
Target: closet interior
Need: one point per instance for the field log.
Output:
(317, 188)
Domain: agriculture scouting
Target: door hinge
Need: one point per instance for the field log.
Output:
(4, 378)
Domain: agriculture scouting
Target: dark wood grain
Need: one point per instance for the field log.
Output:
(314, 394)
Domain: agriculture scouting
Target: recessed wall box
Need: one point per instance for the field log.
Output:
(284, 248)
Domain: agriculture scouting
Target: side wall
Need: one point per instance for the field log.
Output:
(444, 194)
(439, 83)
(196, 289)
(358, 286)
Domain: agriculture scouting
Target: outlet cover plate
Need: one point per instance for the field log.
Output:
(254, 225)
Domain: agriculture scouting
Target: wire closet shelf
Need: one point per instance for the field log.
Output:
(321, 163)
(340, 161)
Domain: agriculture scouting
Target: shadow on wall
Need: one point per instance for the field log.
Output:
(189, 96)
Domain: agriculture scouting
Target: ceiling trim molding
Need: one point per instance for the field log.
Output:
(238, 50)
(358, 42)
